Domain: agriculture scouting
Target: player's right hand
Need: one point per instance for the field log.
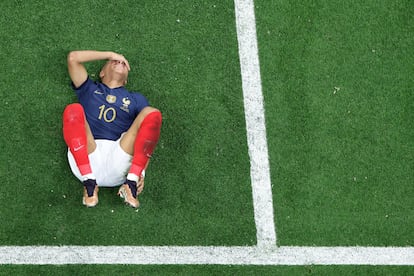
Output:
(120, 58)
(140, 185)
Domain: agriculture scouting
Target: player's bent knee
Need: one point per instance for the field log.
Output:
(157, 116)
(73, 113)
(153, 117)
(151, 111)
(147, 110)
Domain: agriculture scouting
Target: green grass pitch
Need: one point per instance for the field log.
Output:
(336, 78)
(337, 81)
(202, 156)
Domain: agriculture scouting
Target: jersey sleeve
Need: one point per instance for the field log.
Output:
(140, 102)
(88, 86)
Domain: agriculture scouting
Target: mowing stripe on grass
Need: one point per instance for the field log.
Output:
(255, 123)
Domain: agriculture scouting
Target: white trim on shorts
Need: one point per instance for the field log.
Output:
(109, 162)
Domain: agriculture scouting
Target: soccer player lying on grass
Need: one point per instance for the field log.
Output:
(111, 133)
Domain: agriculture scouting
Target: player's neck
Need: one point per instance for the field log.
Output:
(113, 83)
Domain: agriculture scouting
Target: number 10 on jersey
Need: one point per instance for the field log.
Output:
(107, 114)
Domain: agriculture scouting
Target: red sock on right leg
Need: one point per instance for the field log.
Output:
(74, 134)
(145, 142)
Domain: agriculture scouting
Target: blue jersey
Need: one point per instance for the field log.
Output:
(109, 112)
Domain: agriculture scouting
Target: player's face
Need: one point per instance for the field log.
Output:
(118, 66)
(115, 67)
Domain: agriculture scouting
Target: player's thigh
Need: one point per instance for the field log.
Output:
(90, 138)
(128, 139)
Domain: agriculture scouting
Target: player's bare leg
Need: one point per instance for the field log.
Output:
(139, 141)
(79, 139)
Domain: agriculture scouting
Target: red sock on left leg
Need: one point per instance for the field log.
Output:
(74, 134)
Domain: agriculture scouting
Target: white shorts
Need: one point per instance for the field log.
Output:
(109, 162)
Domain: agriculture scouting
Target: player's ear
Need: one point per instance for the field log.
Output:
(103, 70)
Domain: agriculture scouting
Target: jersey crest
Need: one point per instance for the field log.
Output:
(125, 104)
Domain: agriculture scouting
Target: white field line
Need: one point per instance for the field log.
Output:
(266, 252)
(255, 123)
(55, 255)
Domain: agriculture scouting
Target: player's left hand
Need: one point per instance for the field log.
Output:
(140, 185)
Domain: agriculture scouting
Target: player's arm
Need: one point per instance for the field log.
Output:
(77, 70)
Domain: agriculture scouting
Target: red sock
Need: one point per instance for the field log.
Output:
(145, 142)
(74, 134)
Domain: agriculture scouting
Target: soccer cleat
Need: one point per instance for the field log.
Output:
(90, 193)
(128, 192)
